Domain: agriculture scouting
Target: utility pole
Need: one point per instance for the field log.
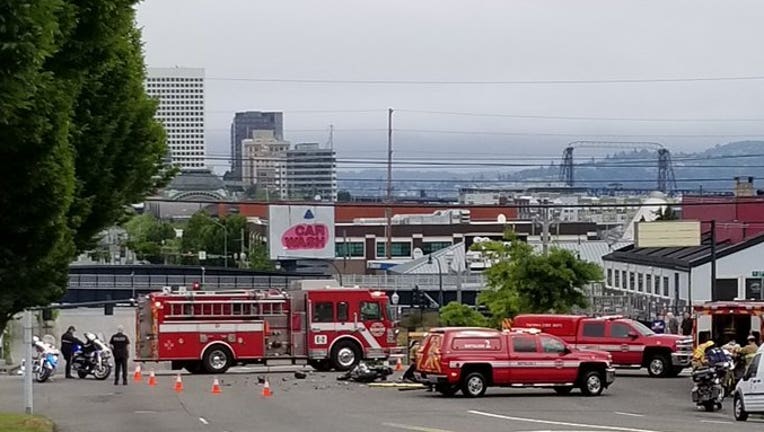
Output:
(28, 396)
(388, 209)
(545, 222)
(241, 253)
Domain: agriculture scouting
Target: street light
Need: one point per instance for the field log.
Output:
(225, 240)
(440, 279)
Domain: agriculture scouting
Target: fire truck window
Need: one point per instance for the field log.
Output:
(370, 311)
(551, 345)
(323, 312)
(618, 330)
(524, 344)
(594, 329)
(342, 312)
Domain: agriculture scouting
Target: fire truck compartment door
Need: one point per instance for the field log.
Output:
(703, 325)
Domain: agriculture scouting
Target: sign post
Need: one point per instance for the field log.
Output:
(28, 397)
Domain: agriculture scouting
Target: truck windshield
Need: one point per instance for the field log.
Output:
(641, 328)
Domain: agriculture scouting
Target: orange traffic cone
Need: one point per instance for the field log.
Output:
(215, 386)
(178, 385)
(137, 375)
(398, 365)
(152, 379)
(267, 389)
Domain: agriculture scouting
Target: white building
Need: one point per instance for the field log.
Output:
(311, 173)
(265, 163)
(682, 273)
(180, 92)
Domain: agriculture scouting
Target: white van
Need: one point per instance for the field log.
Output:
(749, 393)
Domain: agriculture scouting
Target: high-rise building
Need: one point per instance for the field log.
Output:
(265, 163)
(242, 127)
(311, 172)
(180, 92)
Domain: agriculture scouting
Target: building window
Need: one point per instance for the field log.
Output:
(609, 277)
(349, 249)
(430, 247)
(632, 286)
(665, 286)
(649, 283)
(623, 279)
(753, 289)
(640, 282)
(657, 285)
(398, 250)
(617, 279)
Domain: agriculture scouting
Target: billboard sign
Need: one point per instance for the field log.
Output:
(300, 231)
(680, 233)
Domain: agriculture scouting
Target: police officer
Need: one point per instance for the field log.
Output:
(68, 340)
(119, 346)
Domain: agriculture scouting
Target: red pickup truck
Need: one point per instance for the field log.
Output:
(472, 359)
(630, 342)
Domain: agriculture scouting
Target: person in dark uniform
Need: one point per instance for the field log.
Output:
(68, 340)
(119, 346)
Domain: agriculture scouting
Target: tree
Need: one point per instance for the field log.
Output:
(344, 196)
(460, 315)
(79, 141)
(147, 235)
(523, 280)
(259, 258)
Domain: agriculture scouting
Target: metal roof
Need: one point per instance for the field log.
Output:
(588, 250)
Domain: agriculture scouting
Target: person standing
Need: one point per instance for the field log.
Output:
(68, 340)
(119, 346)
(659, 325)
(673, 323)
(687, 325)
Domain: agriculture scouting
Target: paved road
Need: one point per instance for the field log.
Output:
(320, 403)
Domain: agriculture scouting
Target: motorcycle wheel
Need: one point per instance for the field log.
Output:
(82, 374)
(102, 373)
(43, 375)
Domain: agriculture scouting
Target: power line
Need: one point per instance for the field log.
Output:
(593, 118)
(488, 82)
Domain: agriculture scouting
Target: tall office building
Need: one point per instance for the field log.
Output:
(181, 109)
(244, 123)
(311, 171)
(265, 163)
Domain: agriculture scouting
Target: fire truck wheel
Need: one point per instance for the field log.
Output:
(217, 359)
(345, 355)
(592, 383)
(474, 385)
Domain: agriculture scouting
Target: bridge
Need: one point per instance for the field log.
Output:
(118, 282)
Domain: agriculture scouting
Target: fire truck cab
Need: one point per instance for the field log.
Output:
(209, 331)
(723, 321)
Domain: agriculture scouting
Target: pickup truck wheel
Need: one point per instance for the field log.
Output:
(563, 390)
(447, 390)
(474, 385)
(592, 384)
(658, 366)
(739, 410)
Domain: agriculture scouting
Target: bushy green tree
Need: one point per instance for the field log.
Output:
(147, 235)
(79, 141)
(460, 315)
(522, 280)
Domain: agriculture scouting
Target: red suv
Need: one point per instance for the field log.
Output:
(473, 359)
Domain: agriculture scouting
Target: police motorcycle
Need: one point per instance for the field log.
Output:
(44, 366)
(710, 380)
(92, 358)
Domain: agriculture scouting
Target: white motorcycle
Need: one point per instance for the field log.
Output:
(46, 360)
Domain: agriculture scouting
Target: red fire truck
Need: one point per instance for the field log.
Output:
(210, 331)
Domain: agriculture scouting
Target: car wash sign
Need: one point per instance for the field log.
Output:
(296, 231)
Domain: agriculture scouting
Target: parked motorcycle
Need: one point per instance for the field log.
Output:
(94, 358)
(708, 391)
(44, 366)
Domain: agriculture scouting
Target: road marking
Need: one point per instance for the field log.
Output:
(413, 428)
(203, 420)
(557, 423)
(146, 412)
(628, 414)
(716, 422)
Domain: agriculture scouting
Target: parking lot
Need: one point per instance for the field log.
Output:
(635, 403)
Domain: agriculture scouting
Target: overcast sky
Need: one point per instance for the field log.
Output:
(497, 40)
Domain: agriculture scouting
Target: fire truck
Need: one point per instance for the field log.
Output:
(722, 321)
(326, 326)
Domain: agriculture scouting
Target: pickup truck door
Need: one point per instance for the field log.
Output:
(625, 349)
(556, 368)
(525, 360)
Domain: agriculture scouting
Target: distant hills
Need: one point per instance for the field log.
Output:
(711, 170)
